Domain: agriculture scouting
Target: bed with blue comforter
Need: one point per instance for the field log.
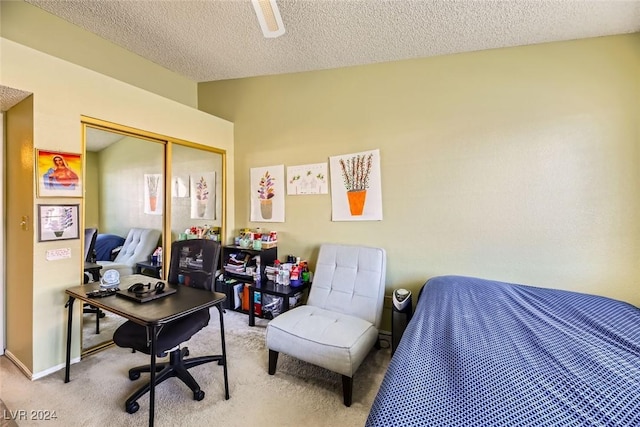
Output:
(486, 353)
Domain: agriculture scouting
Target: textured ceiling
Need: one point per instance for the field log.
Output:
(210, 40)
(10, 97)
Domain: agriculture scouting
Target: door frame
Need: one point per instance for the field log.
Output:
(3, 308)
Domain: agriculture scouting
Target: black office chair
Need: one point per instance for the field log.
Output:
(90, 235)
(199, 260)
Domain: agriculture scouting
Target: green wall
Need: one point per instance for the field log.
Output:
(516, 164)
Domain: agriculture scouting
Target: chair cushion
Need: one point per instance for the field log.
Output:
(138, 246)
(132, 335)
(335, 341)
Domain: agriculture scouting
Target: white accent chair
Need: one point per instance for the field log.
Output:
(339, 325)
(137, 247)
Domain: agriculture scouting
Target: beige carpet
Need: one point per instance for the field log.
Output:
(298, 394)
(7, 417)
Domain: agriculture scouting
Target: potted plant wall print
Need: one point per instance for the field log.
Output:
(267, 189)
(203, 195)
(307, 179)
(356, 187)
(153, 194)
(355, 174)
(265, 194)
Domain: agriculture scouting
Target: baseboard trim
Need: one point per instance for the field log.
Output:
(53, 369)
(27, 372)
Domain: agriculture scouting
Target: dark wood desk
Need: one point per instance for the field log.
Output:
(153, 315)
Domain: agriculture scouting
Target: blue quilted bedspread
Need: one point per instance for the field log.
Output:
(485, 353)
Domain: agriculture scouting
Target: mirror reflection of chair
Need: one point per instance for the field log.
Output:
(90, 235)
(137, 247)
(199, 258)
(339, 325)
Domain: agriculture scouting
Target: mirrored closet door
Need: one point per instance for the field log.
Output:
(124, 190)
(126, 187)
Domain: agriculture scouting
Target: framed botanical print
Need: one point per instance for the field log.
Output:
(59, 174)
(58, 222)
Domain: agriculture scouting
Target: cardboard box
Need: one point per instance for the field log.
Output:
(269, 245)
(245, 297)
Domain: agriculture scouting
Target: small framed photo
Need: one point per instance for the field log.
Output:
(58, 222)
(59, 174)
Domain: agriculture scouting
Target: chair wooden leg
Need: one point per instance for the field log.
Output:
(273, 361)
(347, 389)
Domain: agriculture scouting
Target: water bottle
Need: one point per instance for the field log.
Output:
(278, 273)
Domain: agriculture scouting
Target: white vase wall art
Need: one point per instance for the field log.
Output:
(203, 195)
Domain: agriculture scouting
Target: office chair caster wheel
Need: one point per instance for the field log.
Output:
(134, 375)
(198, 395)
(132, 407)
(186, 352)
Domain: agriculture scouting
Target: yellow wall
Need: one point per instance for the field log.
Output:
(33, 27)
(516, 164)
(91, 188)
(61, 96)
(114, 178)
(123, 166)
(187, 162)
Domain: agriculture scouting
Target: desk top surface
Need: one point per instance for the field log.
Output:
(185, 301)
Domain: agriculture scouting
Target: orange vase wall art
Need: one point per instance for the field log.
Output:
(153, 194)
(355, 185)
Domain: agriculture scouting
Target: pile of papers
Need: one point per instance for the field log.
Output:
(271, 272)
(237, 262)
